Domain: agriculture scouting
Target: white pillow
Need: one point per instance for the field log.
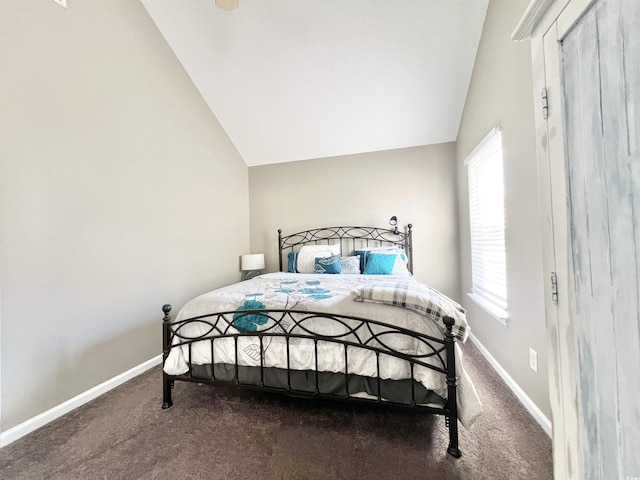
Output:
(308, 254)
(350, 265)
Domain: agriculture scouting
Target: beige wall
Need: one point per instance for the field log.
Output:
(501, 95)
(418, 185)
(119, 192)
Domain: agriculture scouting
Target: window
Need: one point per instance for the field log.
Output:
(486, 215)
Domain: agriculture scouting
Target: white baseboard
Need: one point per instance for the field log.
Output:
(531, 407)
(38, 421)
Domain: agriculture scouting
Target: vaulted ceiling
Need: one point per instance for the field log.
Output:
(299, 79)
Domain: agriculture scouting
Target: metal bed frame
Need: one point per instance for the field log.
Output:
(297, 326)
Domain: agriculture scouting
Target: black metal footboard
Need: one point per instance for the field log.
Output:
(254, 335)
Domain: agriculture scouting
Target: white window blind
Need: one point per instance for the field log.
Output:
(486, 212)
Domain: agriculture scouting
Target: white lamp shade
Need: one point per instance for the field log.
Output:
(253, 261)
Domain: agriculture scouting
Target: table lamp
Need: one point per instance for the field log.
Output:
(251, 265)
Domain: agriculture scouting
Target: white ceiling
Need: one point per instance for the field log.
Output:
(299, 79)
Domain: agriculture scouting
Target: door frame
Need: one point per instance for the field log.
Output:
(545, 23)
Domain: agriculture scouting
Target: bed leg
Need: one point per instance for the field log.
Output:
(454, 452)
(451, 418)
(453, 449)
(167, 384)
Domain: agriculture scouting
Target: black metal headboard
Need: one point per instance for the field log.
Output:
(350, 238)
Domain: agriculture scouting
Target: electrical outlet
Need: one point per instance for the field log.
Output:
(533, 360)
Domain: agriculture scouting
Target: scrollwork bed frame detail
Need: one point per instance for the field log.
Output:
(351, 237)
(356, 332)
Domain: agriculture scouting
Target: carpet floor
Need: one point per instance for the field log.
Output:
(225, 433)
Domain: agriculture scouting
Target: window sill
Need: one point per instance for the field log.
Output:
(496, 312)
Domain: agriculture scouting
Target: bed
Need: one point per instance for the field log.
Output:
(343, 319)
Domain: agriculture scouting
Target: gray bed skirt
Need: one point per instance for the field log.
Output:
(304, 381)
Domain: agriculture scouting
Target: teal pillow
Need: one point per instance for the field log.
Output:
(292, 262)
(327, 264)
(362, 254)
(380, 263)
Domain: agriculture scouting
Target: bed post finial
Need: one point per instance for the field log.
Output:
(449, 323)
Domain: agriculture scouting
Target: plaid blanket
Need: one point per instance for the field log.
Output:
(417, 297)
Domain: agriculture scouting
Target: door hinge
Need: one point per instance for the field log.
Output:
(545, 104)
(554, 287)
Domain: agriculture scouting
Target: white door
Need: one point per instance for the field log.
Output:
(592, 67)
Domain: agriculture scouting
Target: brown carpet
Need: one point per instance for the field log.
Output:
(225, 433)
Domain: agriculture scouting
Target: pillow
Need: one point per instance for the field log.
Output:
(350, 265)
(292, 262)
(380, 263)
(327, 264)
(335, 247)
(308, 254)
(364, 251)
(400, 266)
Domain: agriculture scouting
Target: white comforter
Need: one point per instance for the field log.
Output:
(322, 293)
